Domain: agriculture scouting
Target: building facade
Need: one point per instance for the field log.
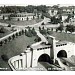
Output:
(41, 52)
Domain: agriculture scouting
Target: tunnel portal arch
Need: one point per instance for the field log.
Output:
(62, 53)
(45, 58)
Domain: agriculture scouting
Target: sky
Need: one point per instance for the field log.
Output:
(37, 2)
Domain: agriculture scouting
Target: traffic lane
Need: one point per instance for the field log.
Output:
(70, 64)
(50, 67)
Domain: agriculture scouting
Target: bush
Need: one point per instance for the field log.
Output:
(42, 16)
(28, 46)
(2, 30)
(42, 23)
(43, 32)
(18, 19)
(4, 57)
(29, 34)
(33, 32)
(49, 32)
(37, 39)
(70, 28)
(9, 25)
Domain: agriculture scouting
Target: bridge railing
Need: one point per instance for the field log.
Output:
(16, 62)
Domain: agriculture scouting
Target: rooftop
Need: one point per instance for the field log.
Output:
(61, 42)
(41, 45)
(23, 14)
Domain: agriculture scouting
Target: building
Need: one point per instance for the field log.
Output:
(42, 52)
(72, 21)
(52, 11)
(23, 16)
(64, 16)
(20, 16)
(5, 15)
(63, 11)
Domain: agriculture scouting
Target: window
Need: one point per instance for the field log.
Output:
(38, 49)
(56, 45)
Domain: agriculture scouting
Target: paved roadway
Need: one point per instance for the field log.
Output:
(65, 66)
(50, 67)
(70, 64)
(23, 27)
(43, 66)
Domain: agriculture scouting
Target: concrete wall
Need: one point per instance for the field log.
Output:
(69, 48)
(37, 54)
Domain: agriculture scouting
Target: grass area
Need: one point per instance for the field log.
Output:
(15, 47)
(64, 36)
(30, 22)
(7, 31)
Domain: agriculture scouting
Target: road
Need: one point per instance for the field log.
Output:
(43, 66)
(70, 64)
(67, 68)
(23, 27)
(50, 67)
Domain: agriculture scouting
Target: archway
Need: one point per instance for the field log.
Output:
(45, 58)
(62, 53)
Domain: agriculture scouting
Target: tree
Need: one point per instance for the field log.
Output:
(27, 18)
(37, 39)
(43, 28)
(2, 30)
(28, 33)
(5, 41)
(22, 31)
(18, 19)
(28, 46)
(33, 31)
(1, 43)
(56, 29)
(13, 36)
(60, 28)
(43, 23)
(43, 31)
(9, 38)
(69, 16)
(39, 28)
(16, 34)
(25, 31)
(4, 57)
(51, 29)
(42, 16)
(55, 20)
(3, 17)
(9, 25)
(9, 18)
(70, 28)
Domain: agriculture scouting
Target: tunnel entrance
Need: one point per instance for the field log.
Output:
(62, 53)
(45, 58)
